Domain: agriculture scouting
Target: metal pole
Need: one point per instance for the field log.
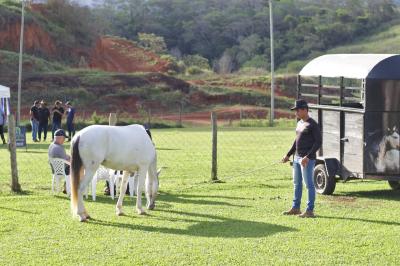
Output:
(21, 47)
(271, 32)
(214, 165)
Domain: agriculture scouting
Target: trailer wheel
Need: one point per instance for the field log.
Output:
(395, 185)
(322, 182)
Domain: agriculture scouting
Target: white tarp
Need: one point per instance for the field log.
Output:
(4, 92)
(343, 65)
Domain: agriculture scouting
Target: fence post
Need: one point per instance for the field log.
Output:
(15, 186)
(214, 176)
(180, 113)
(112, 119)
(149, 117)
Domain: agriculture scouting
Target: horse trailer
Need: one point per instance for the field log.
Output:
(356, 100)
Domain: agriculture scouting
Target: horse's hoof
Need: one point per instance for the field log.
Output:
(82, 219)
(120, 213)
(151, 206)
(88, 217)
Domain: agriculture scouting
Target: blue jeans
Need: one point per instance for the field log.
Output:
(71, 130)
(35, 127)
(301, 173)
(54, 127)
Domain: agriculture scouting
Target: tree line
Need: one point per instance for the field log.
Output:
(236, 32)
(230, 34)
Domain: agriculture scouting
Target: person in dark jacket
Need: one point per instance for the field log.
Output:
(34, 114)
(308, 141)
(44, 118)
(58, 113)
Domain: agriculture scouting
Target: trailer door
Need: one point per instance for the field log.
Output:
(353, 144)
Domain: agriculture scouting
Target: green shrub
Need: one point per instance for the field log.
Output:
(194, 70)
(96, 119)
(196, 60)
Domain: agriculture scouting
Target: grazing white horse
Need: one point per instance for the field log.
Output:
(127, 148)
(389, 152)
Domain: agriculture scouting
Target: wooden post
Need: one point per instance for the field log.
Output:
(15, 186)
(149, 117)
(180, 113)
(112, 119)
(214, 176)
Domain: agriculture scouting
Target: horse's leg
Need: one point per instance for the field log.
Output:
(82, 213)
(141, 177)
(149, 191)
(150, 194)
(122, 192)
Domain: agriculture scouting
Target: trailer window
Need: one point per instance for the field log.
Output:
(332, 91)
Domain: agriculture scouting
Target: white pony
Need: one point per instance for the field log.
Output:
(127, 148)
(388, 159)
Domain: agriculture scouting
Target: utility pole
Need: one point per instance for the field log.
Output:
(271, 32)
(21, 48)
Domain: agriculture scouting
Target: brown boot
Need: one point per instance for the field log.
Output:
(292, 211)
(307, 214)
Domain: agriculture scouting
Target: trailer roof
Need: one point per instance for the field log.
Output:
(359, 66)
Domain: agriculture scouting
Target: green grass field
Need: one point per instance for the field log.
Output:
(237, 222)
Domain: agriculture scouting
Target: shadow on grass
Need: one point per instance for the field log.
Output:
(359, 220)
(223, 227)
(167, 149)
(16, 210)
(387, 194)
(17, 193)
(196, 199)
(165, 199)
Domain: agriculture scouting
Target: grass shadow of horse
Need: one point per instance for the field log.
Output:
(217, 227)
(166, 199)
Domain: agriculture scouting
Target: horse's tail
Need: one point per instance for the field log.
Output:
(76, 166)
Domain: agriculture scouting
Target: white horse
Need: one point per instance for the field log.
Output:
(389, 152)
(127, 148)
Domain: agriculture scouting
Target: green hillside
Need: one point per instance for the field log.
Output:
(385, 42)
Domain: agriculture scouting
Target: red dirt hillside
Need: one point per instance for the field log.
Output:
(106, 53)
(120, 55)
(35, 39)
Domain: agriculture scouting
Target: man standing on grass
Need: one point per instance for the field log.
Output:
(308, 141)
(70, 120)
(34, 113)
(58, 113)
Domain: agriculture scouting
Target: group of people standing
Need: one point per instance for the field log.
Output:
(41, 115)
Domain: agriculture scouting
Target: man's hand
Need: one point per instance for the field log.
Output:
(304, 161)
(285, 159)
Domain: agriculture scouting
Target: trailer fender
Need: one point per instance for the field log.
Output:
(332, 166)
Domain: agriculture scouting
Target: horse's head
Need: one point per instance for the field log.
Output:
(154, 190)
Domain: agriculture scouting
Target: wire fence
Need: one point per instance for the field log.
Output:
(184, 153)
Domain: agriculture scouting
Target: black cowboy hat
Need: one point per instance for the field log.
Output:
(300, 104)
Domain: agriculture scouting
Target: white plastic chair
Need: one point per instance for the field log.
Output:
(58, 166)
(132, 181)
(103, 173)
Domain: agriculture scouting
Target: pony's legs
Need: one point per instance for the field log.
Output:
(122, 192)
(82, 213)
(141, 177)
